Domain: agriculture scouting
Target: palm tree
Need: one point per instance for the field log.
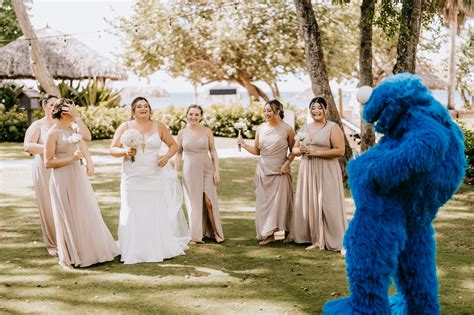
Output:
(455, 13)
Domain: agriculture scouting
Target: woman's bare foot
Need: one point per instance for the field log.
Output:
(312, 246)
(266, 241)
(52, 251)
(218, 238)
(67, 267)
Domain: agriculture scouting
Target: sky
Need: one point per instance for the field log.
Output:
(85, 18)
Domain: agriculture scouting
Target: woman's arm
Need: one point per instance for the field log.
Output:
(50, 161)
(32, 135)
(296, 149)
(167, 138)
(116, 148)
(285, 168)
(179, 155)
(83, 130)
(337, 143)
(252, 149)
(214, 156)
(87, 156)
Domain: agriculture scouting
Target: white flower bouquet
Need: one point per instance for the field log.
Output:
(240, 126)
(132, 138)
(300, 136)
(75, 138)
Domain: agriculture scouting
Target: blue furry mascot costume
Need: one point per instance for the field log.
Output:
(398, 187)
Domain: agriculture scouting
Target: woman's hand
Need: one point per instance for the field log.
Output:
(240, 141)
(90, 169)
(303, 148)
(71, 110)
(285, 168)
(77, 155)
(162, 160)
(217, 177)
(129, 152)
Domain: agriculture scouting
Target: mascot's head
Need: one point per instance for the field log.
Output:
(391, 100)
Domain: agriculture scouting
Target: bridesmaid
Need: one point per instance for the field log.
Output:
(82, 236)
(34, 144)
(319, 217)
(200, 177)
(274, 189)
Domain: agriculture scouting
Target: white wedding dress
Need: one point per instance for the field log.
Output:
(152, 225)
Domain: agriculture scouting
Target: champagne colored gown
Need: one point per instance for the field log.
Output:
(198, 180)
(41, 176)
(319, 216)
(83, 238)
(274, 191)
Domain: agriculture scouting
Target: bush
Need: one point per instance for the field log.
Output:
(93, 94)
(13, 124)
(103, 121)
(9, 93)
(469, 146)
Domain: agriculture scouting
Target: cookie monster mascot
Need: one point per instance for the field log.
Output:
(398, 187)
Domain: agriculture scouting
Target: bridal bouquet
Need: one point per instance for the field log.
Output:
(132, 138)
(240, 126)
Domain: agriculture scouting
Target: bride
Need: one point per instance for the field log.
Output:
(152, 226)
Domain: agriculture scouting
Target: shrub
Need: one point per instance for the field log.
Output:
(103, 120)
(9, 93)
(14, 122)
(469, 145)
(93, 94)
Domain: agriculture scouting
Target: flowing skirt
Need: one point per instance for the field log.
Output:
(152, 224)
(83, 239)
(41, 176)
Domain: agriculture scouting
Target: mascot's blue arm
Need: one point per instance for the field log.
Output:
(418, 151)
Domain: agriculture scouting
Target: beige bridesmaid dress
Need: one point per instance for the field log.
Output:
(274, 191)
(198, 182)
(319, 215)
(41, 177)
(83, 238)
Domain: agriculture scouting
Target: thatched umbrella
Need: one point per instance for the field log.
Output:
(65, 57)
(430, 79)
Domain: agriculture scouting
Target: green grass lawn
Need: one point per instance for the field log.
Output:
(237, 276)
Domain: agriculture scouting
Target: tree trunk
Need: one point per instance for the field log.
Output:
(38, 64)
(409, 34)
(255, 93)
(274, 88)
(453, 28)
(367, 9)
(317, 67)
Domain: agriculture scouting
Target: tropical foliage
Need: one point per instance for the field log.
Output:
(9, 28)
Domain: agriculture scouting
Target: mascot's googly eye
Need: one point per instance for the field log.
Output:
(364, 93)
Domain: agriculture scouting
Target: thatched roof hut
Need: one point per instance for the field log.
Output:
(65, 57)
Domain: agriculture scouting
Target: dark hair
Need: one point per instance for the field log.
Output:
(195, 106)
(59, 106)
(46, 98)
(320, 100)
(134, 105)
(276, 106)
